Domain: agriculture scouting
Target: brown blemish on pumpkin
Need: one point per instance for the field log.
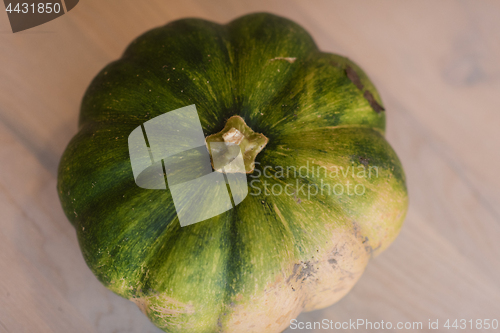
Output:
(364, 240)
(332, 262)
(302, 271)
(354, 77)
(364, 161)
(373, 103)
(338, 268)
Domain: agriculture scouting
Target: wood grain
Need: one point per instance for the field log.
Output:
(436, 65)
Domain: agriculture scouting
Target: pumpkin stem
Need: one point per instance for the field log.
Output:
(236, 132)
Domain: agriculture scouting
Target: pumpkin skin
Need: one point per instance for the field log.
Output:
(258, 265)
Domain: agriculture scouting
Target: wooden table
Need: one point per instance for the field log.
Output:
(437, 67)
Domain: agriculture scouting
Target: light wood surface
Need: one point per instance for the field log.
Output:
(437, 67)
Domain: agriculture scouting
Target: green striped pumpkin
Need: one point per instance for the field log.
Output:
(284, 249)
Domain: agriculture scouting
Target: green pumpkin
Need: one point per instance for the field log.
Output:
(256, 266)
